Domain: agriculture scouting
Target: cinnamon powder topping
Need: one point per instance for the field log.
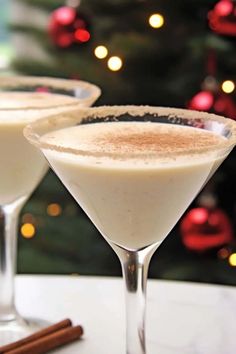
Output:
(156, 140)
(128, 138)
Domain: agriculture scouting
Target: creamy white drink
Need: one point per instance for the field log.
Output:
(25, 100)
(134, 170)
(131, 177)
(22, 165)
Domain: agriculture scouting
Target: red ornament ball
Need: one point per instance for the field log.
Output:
(203, 100)
(222, 19)
(215, 102)
(67, 26)
(203, 229)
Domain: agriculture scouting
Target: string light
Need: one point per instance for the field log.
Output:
(232, 259)
(228, 86)
(28, 230)
(156, 20)
(54, 209)
(114, 63)
(101, 52)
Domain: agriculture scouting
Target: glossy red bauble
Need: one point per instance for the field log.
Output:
(67, 26)
(215, 102)
(222, 19)
(203, 229)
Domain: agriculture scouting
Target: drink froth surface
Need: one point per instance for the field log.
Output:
(27, 105)
(127, 139)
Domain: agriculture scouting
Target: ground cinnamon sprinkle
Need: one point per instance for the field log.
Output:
(156, 140)
(132, 138)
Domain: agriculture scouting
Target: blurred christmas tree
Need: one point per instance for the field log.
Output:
(180, 54)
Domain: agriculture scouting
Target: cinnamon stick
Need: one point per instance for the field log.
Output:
(39, 334)
(49, 342)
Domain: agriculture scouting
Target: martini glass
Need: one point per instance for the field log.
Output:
(134, 170)
(22, 100)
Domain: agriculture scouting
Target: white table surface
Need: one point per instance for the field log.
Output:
(182, 318)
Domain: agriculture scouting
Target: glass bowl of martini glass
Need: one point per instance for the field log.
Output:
(23, 100)
(134, 170)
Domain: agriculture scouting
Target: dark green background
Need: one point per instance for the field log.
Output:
(161, 67)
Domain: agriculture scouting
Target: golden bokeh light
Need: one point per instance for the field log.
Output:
(228, 86)
(101, 52)
(156, 21)
(114, 63)
(54, 209)
(232, 259)
(27, 230)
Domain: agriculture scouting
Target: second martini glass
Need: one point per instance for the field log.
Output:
(23, 100)
(134, 170)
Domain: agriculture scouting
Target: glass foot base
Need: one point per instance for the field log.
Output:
(14, 330)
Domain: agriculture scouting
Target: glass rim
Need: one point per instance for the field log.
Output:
(14, 81)
(34, 131)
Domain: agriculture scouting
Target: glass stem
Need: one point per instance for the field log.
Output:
(135, 266)
(8, 243)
